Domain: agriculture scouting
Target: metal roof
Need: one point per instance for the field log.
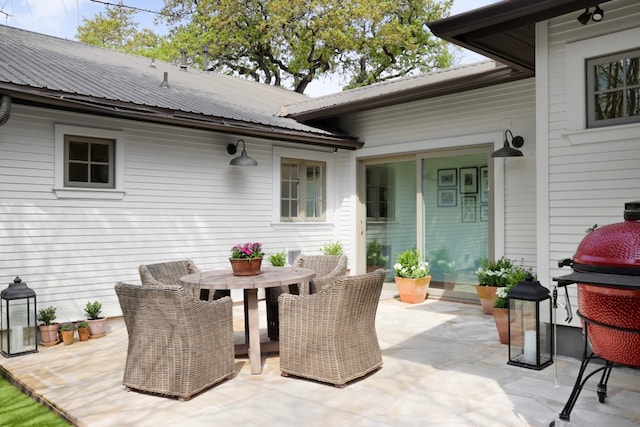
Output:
(50, 71)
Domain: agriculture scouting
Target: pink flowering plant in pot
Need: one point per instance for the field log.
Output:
(246, 259)
(247, 251)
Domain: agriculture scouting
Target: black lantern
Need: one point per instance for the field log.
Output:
(530, 336)
(18, 320)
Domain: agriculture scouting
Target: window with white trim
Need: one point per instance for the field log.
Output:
(302, 190)
(613, 89)
(88, 162)
(380, 196)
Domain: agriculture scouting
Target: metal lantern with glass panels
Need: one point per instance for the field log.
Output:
(18, 320)
(530, 335)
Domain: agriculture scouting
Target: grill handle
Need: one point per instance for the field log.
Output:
(567, 262)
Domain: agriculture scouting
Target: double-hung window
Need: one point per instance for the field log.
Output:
(302, 190)
(613, 89)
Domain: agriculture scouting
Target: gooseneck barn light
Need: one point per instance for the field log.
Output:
(507, 150)
(243, 159)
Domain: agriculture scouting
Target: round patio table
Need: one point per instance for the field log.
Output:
(269, 277)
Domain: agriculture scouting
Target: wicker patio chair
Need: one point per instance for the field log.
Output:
(330, 336)
(169, 273)
(327, 268)
(178, 345)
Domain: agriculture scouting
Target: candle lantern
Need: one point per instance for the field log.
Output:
(530, 336)
(18, 320)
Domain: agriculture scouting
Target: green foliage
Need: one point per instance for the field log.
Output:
(375, 254)
(516, 274)
(67, 327)
(332, 248)
(494, 273)
(92, 310)
(287, 43)
(249, 250)
(410, 264)
(47, 315)
(278, 259)
(18, 409)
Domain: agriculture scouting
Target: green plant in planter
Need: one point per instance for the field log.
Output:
(47, 315)
(66, 327)
(409, 264)
(517, 274)
(83, 324)
(495, 273)
(375, 254)
(92, 310)
(278, 259)
(332, 248)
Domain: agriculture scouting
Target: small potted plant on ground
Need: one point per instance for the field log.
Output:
(500, 307)
(278, 259)
(67, 332)
(97, 324)
(48, 329)
(375, 256)
(246, 259)
(491, 276)
(411, 276)
(83, 330)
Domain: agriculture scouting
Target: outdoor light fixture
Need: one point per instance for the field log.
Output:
(530, 337)
(596, 16)
(18, 328)
(243, 159)
(506, 150)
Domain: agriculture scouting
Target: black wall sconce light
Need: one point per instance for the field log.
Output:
(507, 150)
(243, 159)
(596, 16)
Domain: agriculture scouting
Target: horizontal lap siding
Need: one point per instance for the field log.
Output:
(589, 182)
(182, 200)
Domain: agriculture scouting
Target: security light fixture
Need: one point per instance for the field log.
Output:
(596, 16)
(243, 159)
(584, 17)
(507, 150)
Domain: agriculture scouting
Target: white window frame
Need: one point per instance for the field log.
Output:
(576, 55)
(61, 191)
(309, 155)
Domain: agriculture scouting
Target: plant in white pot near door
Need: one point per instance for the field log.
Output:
(97, 324)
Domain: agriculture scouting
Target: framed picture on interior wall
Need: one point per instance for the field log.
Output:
(468, 208)
(447, 197)
(447, 177)
(484, 185)
(469, 180)
(484, 213)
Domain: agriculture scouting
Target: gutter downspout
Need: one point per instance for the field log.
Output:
(5, 109)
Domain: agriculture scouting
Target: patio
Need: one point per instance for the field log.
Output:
(443, 366)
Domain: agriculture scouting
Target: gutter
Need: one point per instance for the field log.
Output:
(5, 109)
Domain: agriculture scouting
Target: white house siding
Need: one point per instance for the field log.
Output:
(182, 200)
(592, 173)
(475, 117)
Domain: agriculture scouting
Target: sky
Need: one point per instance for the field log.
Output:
(60, 18)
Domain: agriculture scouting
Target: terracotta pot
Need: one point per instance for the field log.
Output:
(487, 295)
(83, 333)
(97, 327)
(49, 334)
(413, 291)
(245, 267)
(67, 337)
(501, 318)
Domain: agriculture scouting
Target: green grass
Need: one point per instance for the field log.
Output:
(18, 409)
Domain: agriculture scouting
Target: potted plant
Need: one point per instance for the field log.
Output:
(501, 303)
(411, 276)
(246, 259)
(83, 330)
(375, 256)
(332, 248)
(491, 276)
(97, 324)
(48, 328)
(278, 259)
(67, 332)
(443, 269)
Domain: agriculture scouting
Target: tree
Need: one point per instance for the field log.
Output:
(288, 42)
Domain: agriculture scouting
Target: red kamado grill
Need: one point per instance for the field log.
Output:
(606, 267)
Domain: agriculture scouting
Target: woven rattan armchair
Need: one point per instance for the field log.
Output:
(327, 267)
(178, 345)
(169, 273)
(330, 336)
